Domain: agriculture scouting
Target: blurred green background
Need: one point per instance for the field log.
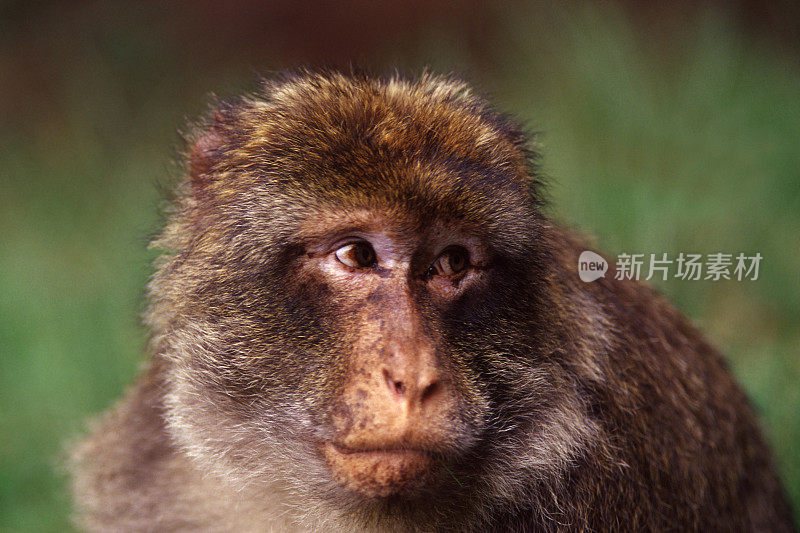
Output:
(663, 129)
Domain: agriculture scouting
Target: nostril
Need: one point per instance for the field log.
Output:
(397, 387)
(420, 389)
(429, 391)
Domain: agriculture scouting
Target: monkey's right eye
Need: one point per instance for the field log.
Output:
(356, 255)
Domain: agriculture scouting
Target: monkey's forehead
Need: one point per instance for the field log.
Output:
(425, 148)
(408, 193)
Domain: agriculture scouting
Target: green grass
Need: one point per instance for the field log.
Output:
(684, 143)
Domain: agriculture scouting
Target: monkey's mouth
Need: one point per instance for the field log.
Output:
(378, 472)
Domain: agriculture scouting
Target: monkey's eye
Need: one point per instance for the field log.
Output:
(451, 262)
(356, 255)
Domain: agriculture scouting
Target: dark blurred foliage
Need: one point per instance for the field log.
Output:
(39, 40)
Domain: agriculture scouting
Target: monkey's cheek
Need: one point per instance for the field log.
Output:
(378, 473)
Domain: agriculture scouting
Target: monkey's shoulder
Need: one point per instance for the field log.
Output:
(126, 471)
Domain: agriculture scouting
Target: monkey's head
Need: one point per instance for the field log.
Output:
(353, 301)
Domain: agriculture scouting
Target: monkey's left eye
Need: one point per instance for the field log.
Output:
(356, 255)
(451, 262)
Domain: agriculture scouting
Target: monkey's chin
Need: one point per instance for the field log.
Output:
(378, 473)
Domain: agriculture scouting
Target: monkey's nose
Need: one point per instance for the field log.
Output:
(413, 383)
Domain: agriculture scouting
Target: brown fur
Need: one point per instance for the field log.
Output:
(514, 398)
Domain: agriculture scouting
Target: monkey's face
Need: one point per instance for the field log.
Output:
(404, 401)
(369, 346)
(356, 308)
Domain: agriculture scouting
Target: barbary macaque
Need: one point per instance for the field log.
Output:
(365, 320)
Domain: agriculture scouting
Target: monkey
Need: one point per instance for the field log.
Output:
(364, 319)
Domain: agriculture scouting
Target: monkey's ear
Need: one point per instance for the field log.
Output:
(205, 152)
